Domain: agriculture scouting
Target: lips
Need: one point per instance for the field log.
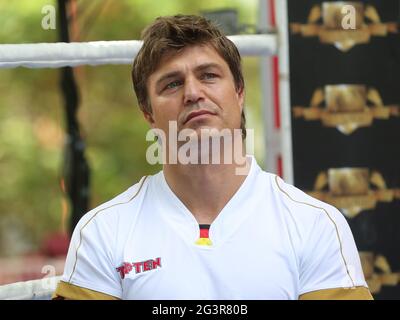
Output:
(195, 114)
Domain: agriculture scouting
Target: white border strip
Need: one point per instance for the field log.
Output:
(284, 90)
(56, 55)
(272, 135)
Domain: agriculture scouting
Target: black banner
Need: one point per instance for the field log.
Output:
(345, 97)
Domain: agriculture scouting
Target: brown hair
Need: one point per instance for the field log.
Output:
(174, 33)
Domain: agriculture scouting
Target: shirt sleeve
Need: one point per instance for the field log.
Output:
(89, 271)
(330, 259)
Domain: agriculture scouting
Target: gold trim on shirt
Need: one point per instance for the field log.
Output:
(72, 292)
(354, 293)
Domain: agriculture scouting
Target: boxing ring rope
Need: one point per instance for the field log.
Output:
(56, 55)
(41, 289)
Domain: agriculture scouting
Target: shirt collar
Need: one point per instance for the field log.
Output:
(227, 221)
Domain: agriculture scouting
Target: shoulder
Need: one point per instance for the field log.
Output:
(97, 238)
(302, 206)
(108, 214)
(307, 220)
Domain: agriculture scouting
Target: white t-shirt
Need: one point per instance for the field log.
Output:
(270, 241)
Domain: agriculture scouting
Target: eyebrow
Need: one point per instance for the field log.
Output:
(174, 74)
(207, 66)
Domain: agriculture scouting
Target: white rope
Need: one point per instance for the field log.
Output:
(30, 290)
(56, 55)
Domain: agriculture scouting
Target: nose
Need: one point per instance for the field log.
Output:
(193, 92)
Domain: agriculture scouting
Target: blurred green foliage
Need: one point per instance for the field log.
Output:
(32, 120)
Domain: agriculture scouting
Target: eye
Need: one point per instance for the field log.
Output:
(172, 85)
(209, 76)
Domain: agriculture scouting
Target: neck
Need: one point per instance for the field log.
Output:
(205, 189)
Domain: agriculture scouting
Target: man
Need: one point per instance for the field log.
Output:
(200, 229)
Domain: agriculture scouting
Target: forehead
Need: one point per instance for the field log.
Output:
(188, 58)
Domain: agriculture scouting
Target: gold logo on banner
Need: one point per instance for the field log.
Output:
(352, 190)
(371, 262)
(347, 107)
(331, 31)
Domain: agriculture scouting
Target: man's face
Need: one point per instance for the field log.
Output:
(195, 88)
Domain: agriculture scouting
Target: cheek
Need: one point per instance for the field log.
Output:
(165, 112)
(235, 110)
(232, 105)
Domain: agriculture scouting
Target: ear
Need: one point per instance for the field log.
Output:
(241, 96)
(149, 118)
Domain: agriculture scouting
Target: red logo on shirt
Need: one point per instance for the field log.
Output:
(139, 267)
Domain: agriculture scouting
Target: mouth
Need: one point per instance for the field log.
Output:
(196, 114)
